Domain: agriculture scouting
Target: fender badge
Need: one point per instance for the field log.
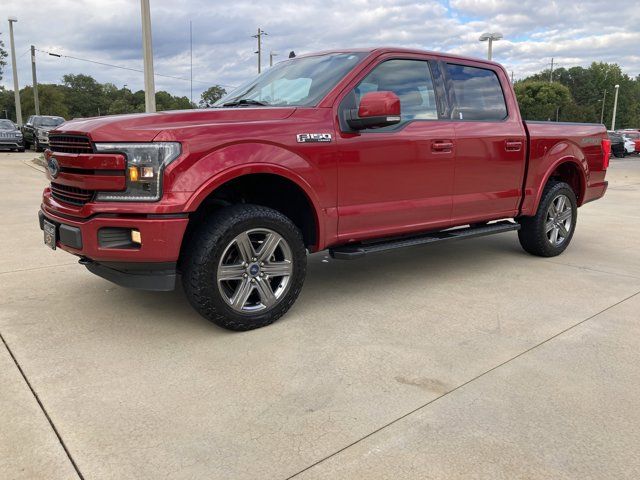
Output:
(313, 137)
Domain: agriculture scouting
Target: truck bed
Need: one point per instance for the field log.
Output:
(553, 142)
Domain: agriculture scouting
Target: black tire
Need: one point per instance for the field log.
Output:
(533, 235)
(208, 243)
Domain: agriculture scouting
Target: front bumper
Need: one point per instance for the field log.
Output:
(11, 143)
(148, 266)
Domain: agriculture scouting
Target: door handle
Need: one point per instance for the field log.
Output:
(442, 146)
(513, 146)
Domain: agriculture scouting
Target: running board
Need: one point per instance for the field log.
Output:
(358, 250)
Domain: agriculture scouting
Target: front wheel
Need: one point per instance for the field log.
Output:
(549, 232)
(244, 267)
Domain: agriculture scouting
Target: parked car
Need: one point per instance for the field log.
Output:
(357, 152)
(633, 135)
(36, 130)
(617, 144)
(629, 145)
(10, 136)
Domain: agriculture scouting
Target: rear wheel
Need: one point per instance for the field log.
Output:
(550, 231)
(244, 267)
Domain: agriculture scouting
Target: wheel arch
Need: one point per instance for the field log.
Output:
(565, 162)
(262, 184)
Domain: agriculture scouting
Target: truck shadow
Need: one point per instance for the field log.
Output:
(337, 282)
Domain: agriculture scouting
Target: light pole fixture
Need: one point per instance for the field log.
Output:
(615, 108)
(16, 87)
(490, 37)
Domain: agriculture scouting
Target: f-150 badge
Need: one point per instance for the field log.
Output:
(313, 137)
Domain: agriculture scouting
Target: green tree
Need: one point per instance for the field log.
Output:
(211, 95)
(541, 100)
(84, 96)
(3, 58)
(51, 98)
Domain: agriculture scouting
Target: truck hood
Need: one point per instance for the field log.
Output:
(144, 127)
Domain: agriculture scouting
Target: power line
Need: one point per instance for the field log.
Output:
(125, 68)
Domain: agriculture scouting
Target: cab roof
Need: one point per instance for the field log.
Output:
(376, 51)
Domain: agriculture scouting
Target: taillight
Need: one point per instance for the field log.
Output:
(606, 153)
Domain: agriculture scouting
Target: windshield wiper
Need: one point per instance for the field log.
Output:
(245, 101)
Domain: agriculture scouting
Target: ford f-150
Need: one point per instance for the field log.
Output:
(355, 151)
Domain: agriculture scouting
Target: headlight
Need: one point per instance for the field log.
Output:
(18, 134)
(145, 164)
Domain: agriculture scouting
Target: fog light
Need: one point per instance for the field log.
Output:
(136, 237)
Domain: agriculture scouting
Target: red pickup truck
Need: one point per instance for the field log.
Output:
(354, 151)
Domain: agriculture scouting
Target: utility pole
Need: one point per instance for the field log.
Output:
(147, 50)
(16, 87)
(551, 72)
(191, 56)
(259, 51)
(271, 55)
(604, 99)
(615, 108)
(35, 79)
(511, 77)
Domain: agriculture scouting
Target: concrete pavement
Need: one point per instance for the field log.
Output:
(470, 360)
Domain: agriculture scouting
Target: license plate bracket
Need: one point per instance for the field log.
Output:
(50, 234)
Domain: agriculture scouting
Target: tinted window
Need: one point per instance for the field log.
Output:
(410, 80)
(478, 95)
(7, 125)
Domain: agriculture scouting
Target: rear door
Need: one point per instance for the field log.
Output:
(399, 178)
(490, 142)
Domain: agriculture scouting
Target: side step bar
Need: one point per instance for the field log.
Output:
(358, 250)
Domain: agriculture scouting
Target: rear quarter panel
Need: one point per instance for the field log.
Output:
(552, 144)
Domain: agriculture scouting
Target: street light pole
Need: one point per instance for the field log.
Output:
(271, 55)
(35, 80)
(16, 87)
(147, 50)
(490, 37)
(615, 108)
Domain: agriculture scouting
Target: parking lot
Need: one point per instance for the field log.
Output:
(465, 360)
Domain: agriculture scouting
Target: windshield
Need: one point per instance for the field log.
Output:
(50, 122)
(299, 81)
(632, 135)
(7, 125)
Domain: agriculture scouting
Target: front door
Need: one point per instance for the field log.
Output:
(396, 179)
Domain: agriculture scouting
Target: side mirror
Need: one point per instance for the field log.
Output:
(377, 109)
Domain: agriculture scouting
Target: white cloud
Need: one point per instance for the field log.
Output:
(572, 31)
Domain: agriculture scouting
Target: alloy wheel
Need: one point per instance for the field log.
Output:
(255, 270)
(558, 221)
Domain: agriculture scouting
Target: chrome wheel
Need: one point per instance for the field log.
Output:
(558, 221)
(254, 270)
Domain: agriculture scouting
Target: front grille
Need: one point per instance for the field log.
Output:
(70, 144)
(72, 195)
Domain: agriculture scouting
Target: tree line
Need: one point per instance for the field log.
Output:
(577, 94)
(82, 96)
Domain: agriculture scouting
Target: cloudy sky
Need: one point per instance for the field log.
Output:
(574, 32)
